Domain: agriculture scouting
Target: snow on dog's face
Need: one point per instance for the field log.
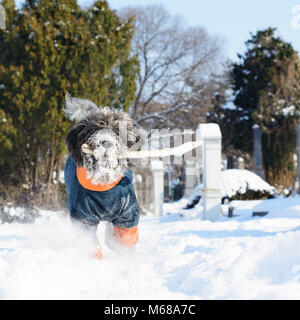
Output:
(103, 166)
(105, 134)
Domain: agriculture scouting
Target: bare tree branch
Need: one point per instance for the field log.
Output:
(172, 57)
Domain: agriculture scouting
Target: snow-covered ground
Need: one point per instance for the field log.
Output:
(179, 256)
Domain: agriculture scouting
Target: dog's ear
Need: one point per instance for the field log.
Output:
(132, 135)
(137, 137)
(74, 140)
(78, 109)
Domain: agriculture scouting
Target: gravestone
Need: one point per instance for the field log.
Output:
(230, 162)
(258, 166)
(240, 163)
(167, 188)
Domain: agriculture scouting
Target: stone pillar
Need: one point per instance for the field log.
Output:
(157, 169)
(190, 177)
(258, 166)
(240, 163)
(210, 133)
(298, 155)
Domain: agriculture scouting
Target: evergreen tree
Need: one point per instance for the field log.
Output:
(48, 49)
(266, 86)
(10, 10)
(7, 134)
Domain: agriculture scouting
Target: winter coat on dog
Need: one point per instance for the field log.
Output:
(91, 204)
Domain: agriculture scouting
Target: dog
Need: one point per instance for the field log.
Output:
(98, 179)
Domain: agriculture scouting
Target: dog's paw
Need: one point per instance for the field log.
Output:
(97, 253)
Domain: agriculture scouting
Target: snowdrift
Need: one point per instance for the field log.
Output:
(235, 183)
(179, 256)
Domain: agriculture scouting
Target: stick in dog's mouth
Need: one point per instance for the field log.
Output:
(154, 153)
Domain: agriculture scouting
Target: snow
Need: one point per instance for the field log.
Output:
(209, 130)
(229, 105)
(235, 181)
(31, 35)
(289, 111)
(179, 256)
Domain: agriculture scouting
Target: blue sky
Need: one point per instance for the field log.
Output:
(232, 19)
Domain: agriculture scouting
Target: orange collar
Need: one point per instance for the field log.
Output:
(87, 183)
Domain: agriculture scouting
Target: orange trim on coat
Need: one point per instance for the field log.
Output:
(87, 183)
(127, 237)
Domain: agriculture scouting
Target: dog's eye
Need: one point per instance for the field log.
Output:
(106, 144)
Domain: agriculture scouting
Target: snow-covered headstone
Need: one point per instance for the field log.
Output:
(237, 184)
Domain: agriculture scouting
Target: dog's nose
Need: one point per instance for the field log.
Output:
(106, 144)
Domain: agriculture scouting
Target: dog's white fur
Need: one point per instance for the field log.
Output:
(101, 132)
(107, 168)
(78, 109)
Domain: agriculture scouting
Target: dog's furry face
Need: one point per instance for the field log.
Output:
(107, 133)
(103, 166)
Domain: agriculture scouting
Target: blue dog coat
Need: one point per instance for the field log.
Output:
(117, 205)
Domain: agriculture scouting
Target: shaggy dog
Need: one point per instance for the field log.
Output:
(98, 178)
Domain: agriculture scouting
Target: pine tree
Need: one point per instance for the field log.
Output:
(267, 92)
(10, 10)
(112, 71)
(7, 133)
(50, 48)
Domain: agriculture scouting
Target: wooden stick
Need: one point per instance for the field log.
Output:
(85, 148)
